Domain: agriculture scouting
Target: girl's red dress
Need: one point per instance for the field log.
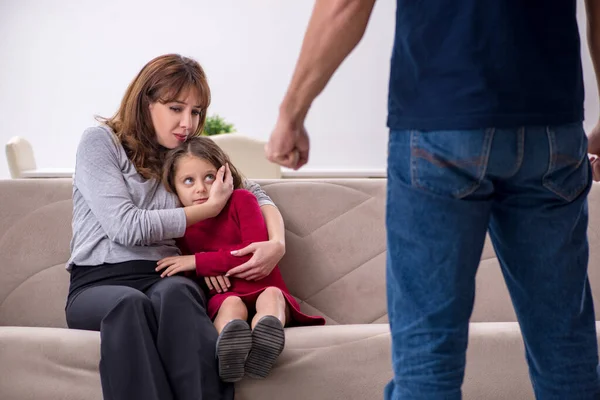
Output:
(239, 224)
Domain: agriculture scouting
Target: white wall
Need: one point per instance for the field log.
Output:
(62, 62)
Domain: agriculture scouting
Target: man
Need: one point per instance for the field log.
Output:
(485, 118)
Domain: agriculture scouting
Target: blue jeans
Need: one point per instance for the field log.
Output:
(528, 188)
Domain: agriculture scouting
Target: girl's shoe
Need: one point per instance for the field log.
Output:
(268, 340)
(233, 344)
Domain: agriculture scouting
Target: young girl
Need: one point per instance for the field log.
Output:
(190, 171)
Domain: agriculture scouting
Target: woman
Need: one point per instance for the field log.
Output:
(157, 341)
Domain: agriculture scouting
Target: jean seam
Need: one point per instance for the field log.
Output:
(485, 157)
(413, 162)
(520, 152)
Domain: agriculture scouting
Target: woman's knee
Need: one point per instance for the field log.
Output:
(90, 308)
(131, 312)
(176, 289)
(132, 301)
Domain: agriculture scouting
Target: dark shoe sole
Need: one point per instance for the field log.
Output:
(268, 340)
(233, 345)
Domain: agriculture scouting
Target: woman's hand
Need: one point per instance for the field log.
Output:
(221, 189)
(265, 255)
(217, 283)
(175, 265)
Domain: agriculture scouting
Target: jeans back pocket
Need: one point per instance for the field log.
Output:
(568, 172)
(450, 163)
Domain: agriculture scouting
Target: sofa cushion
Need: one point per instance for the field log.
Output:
(35, 231)
(318, 363)
(62, 364)
(332, 267)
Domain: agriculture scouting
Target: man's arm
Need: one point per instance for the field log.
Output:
(593, 36)
(592, 8)
(334, 30)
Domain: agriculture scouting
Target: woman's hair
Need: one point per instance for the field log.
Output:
(162, 80)
(203, 148)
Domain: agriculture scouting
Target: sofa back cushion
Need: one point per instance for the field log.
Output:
(35, 230)
(334, 264)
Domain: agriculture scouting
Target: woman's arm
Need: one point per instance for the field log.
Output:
(99, 179)
(270, 213)
(274, 222)
(265, 254)
(253, 262)
(261, 196)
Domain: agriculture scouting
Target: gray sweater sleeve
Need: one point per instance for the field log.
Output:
(99, 178)
(261, 196)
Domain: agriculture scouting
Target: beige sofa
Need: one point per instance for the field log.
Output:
(335, 266)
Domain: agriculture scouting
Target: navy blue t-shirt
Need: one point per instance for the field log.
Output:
(468, 64)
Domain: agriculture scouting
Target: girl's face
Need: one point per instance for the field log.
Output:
(193, 179)
(175, 121)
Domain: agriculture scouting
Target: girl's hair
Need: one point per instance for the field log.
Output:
(203, 148)
(162, 80)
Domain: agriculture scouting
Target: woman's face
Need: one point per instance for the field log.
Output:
(174, 121)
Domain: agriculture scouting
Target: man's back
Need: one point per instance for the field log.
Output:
(460, 64)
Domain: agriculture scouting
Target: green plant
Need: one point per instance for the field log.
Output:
(216, 125)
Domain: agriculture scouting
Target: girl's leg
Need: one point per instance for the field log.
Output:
(232, 308)
(235, 339)
(268, 337)
(271, 302)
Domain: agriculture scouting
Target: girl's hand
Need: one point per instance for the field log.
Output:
(175, 265)
(264, 258)
(217, 283)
